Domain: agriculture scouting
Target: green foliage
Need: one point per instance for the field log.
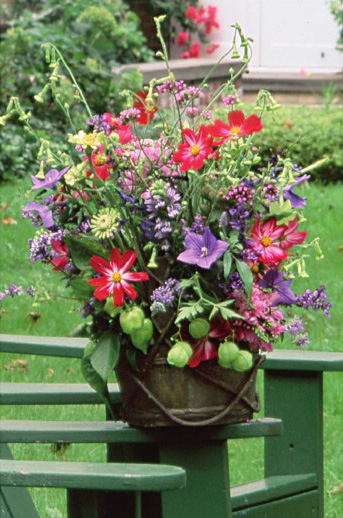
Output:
(93, 36)
(336, 8)
(306, 135)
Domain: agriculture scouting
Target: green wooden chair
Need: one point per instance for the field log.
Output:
(293, 480)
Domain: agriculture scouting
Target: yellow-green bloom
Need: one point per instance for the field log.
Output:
(105, 223)
(85, 139)
(74, 174)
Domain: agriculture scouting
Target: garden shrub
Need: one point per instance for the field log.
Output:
(93, 36)
(306, 134)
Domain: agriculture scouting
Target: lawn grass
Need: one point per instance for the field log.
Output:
(60, 318)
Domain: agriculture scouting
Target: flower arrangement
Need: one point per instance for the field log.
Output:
(167, 231)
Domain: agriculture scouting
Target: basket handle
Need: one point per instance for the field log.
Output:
(203, 422)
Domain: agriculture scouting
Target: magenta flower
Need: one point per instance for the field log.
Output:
(202, 250)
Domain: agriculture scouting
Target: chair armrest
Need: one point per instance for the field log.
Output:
(43, 345)
(298, 360)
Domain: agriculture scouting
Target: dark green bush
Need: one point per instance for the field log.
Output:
(305, 135)
(93, 36)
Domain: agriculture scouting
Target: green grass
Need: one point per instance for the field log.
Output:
(59, 318)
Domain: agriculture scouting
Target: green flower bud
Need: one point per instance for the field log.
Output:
(227, 353)
(243, 361)
(198, 328)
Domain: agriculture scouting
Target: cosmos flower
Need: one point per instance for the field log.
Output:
(267, 240)
(115, 277)
(290, 237)
(195, 149)
(238, 126)
(146, 110)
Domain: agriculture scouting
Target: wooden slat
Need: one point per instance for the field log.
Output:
(117, 432)
(86, 475)
(43, 345)
(298, 360)
(271, 488)
(54, 394)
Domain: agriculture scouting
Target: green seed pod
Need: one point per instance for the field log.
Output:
(227, 353)
(131, 319)
(180, 354)
(198, 328)
(141, 338)
(243, 361)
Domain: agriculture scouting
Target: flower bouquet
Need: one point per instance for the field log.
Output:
(180, 247)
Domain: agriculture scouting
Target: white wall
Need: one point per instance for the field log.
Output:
(289, 35)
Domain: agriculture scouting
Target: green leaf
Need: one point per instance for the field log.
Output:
(94, 380)
(282, 211)
(246, 276)
(81, 289)
(227, 259)
(189, 311)
(82, 249)
(106, 354)
(227, 313)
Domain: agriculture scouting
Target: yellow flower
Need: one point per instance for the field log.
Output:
(85, 139)
(74, 174)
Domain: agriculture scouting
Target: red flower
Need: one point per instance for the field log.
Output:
(60, 262)
(290, 237)
(195, 13)
(114, 278)
(99, 163)
(193, 51)
(147, 111)
(206, 348)
(194, 150)
(237, 127)
(182, 38)
(267, 240)
(212, 48)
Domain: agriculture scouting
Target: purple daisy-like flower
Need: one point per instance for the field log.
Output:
(274, 280)
(44, 212)
(202, 250)
(296, 200)
(50, 180)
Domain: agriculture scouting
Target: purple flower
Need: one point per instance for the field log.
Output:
(296, 200)
(202, 250)
(50, 180)
(317, 299)
(274, 280)
(44, 212)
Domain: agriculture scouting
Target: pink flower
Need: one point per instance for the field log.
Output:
(182, 38)
(115, 278)
(266, 240)
(194, 150)
(290, 237)
(237, 127)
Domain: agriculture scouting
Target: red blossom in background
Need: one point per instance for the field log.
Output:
(238, 126)
(147, 111)
(182, 38)
(212, 48)
(195, 149)
(115, 277)
(193, 51)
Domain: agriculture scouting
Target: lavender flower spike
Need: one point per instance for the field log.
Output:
(202, 250)
(44, 212)
(50, 180)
